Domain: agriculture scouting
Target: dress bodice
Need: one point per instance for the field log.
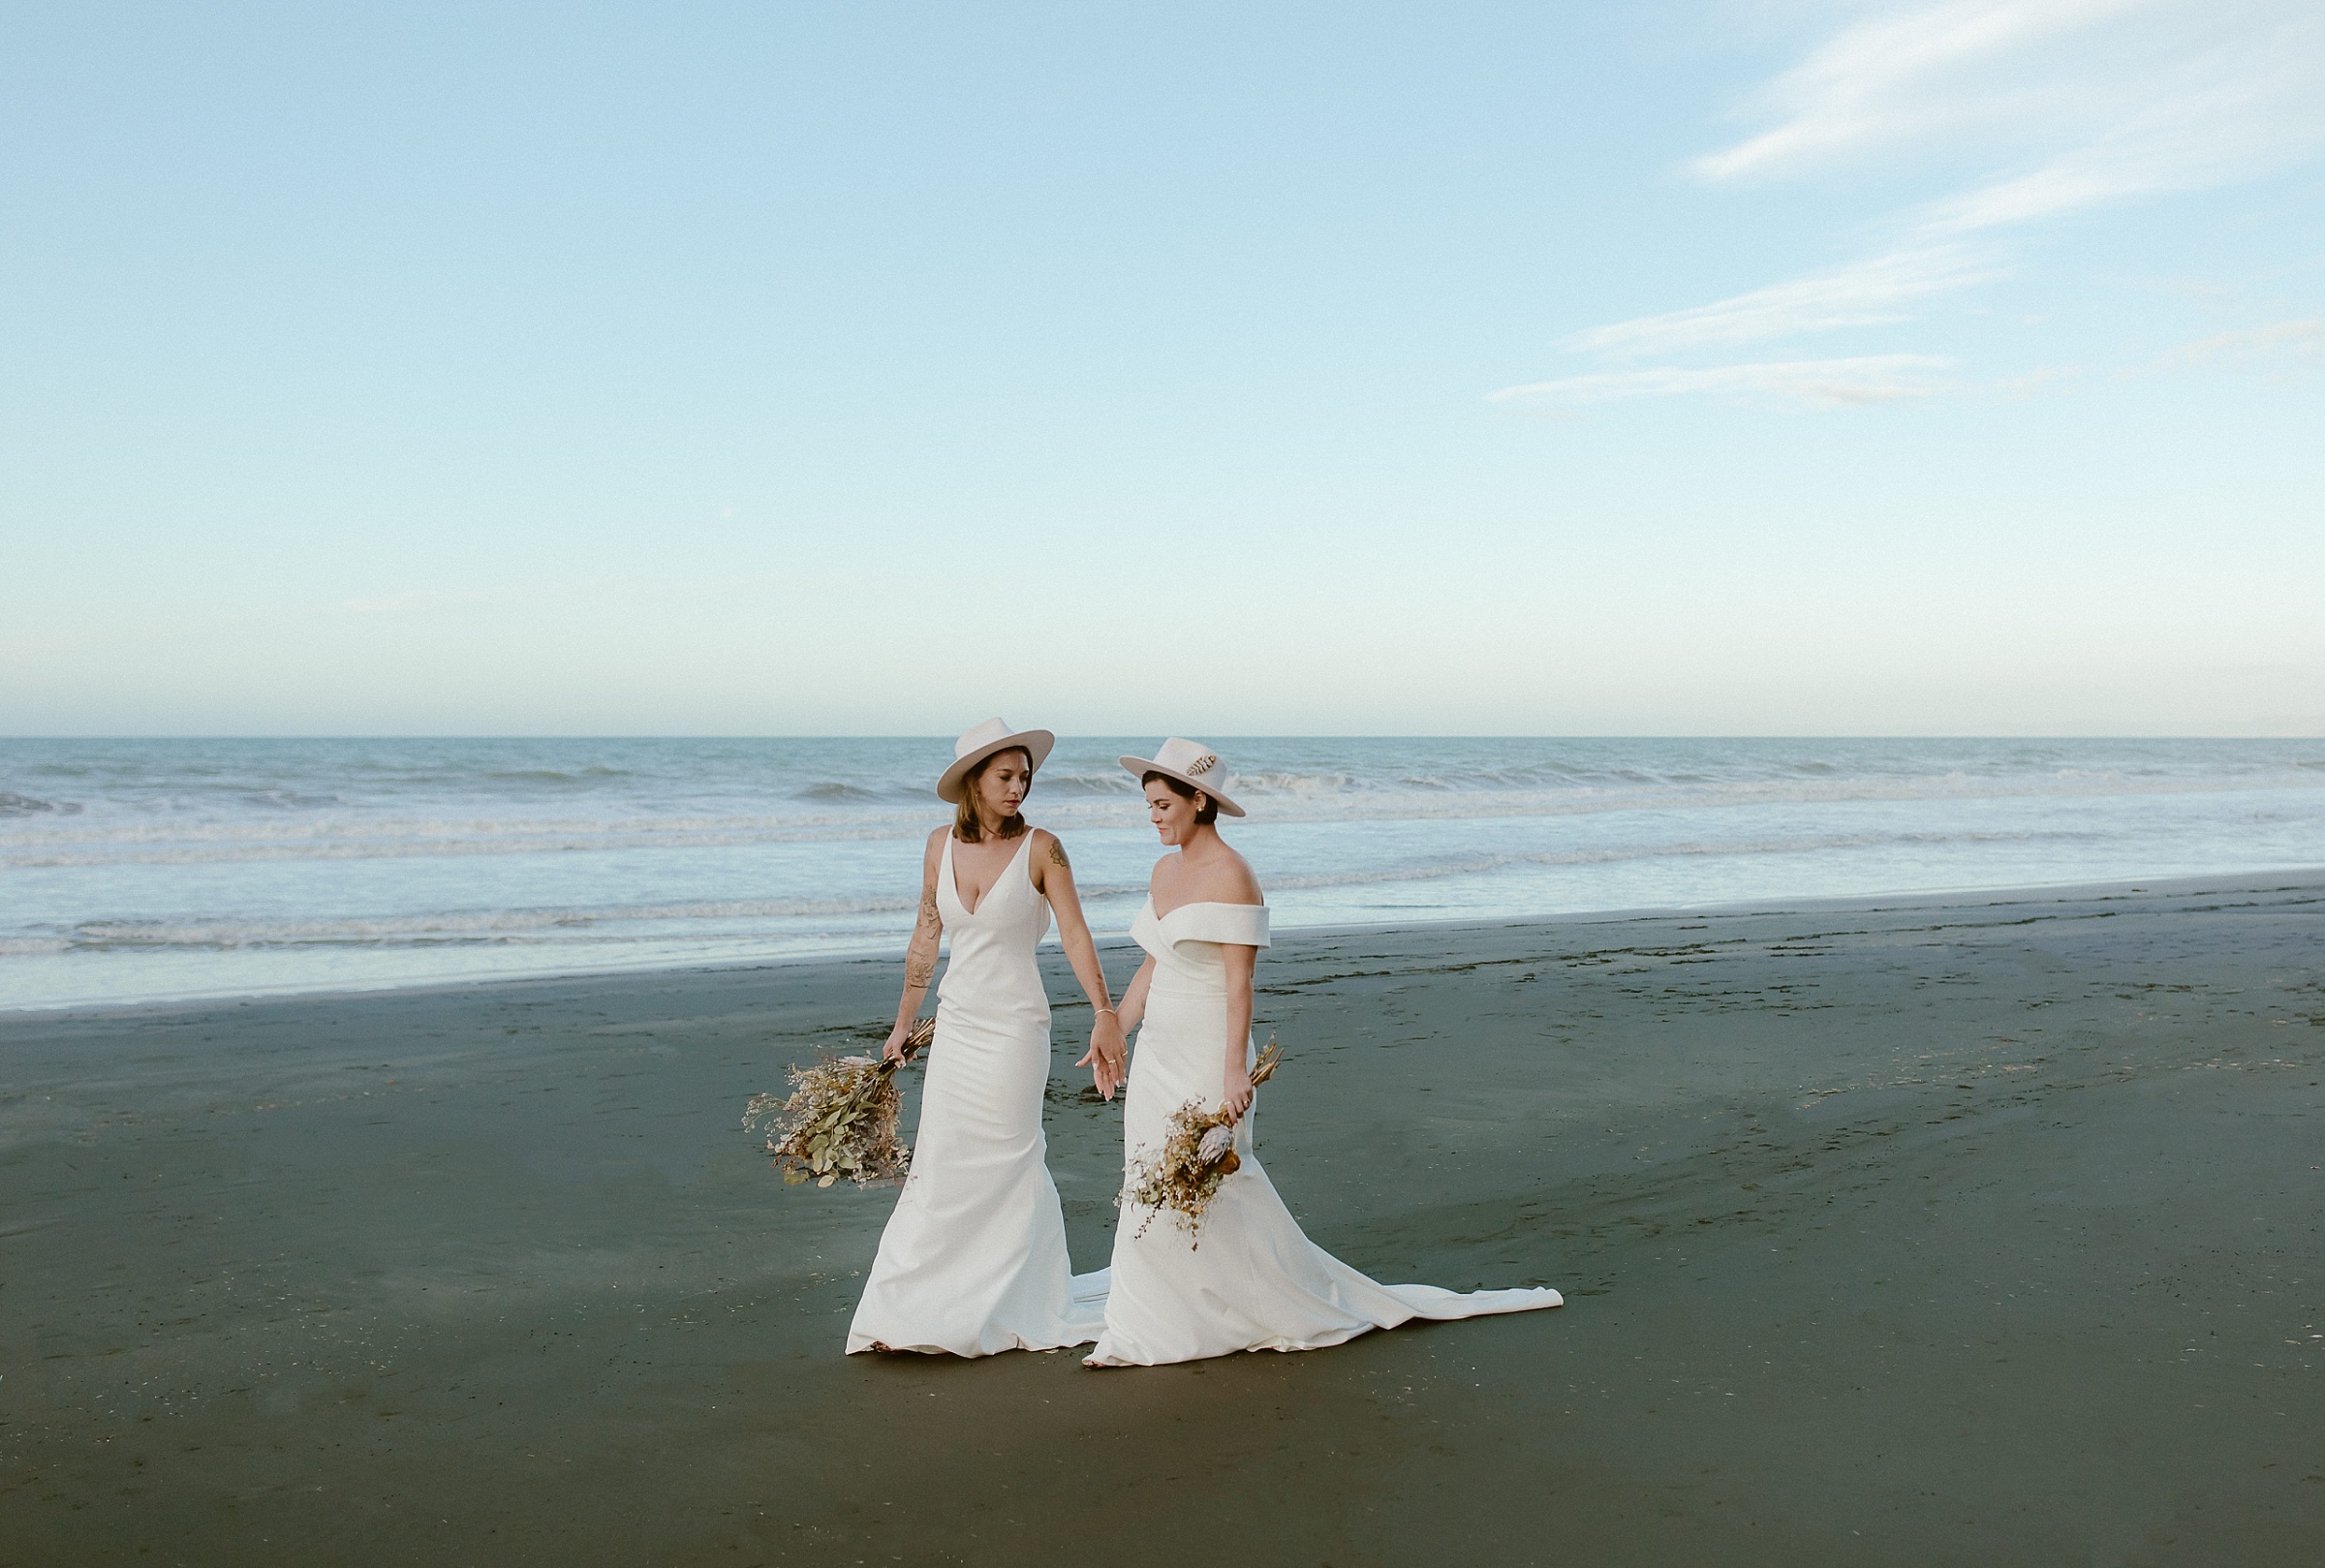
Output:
(1185, 942)
(991, 969)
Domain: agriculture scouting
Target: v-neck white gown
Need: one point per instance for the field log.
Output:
(974, 1257)
(1256, 1281)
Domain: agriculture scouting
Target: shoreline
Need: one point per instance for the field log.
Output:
(1942, 1233)
(891, 951)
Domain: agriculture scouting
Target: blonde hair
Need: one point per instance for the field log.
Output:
(965, 825)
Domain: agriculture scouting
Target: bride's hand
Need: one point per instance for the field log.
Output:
(1238, 1096)
(1106, 1058)
(893, 1051)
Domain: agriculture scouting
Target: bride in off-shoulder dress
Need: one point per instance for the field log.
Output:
(1255, 1282)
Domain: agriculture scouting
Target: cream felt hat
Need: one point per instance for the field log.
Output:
(981, 741)
(1190, 763)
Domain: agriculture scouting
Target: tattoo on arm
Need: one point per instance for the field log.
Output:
(920, 958)
(1057, 855)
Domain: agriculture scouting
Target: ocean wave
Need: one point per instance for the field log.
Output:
(31, 839)
(547, 776)
(835, 791)
(15, 805)
(227, 849)
(1113, 783)
(1486, 865)
(440, 928)
(629, 924)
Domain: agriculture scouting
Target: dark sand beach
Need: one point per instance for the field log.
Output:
(1972, 1230)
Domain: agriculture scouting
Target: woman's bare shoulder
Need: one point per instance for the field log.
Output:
(1173, 882)
(1228, 880)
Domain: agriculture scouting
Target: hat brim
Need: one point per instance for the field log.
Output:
(1034, 743)
(1138, 767)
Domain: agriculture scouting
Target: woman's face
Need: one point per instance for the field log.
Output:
(1171, 813)
(1001, 788)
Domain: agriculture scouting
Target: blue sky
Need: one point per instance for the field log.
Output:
(1724, 368)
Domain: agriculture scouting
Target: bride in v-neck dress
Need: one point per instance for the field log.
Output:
(974, 1260)
(1256, 1281)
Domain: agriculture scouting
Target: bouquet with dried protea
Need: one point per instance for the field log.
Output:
(1197, 1154)
(840, 1118)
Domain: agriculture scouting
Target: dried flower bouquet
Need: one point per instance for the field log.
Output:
(840, 1118)
(1197, 1155)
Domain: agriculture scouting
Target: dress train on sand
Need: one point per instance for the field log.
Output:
(1256, 1281)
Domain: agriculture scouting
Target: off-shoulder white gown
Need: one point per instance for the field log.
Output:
(974, 1257)
(1255, 1282)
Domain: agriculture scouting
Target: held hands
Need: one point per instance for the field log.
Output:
(1237, 1098)
(1106, 1059)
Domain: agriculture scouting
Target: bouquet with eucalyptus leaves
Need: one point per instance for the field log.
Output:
(840, 1117)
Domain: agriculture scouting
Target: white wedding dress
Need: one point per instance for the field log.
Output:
(973, 1259)
(1254, 1282)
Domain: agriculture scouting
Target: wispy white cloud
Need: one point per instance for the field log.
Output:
(2104, 99)
(1885, 378)
(2094, 101)
(2300, 341)
(2234, 115)
(1863, 293)
(1900, 78)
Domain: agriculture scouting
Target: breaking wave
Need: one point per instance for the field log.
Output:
(173, 839)
(177, 867)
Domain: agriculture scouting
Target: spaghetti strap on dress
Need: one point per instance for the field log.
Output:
(974, 1257)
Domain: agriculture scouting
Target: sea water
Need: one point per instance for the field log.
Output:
(135, 870)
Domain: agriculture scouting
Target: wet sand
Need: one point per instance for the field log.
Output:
(1974, 1230)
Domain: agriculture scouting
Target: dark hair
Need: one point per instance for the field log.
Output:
(965, 825)
(1186, 791)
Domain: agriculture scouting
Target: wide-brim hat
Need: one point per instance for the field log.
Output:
(981, 741)
(1190, 763)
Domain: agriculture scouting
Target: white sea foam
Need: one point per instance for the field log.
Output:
(643, 923)
(612, 922)
(156, 867)
(347, 836)
(1486, 865)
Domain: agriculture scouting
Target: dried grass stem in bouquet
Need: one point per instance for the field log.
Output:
(1197, 1155)
(840, 1117)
